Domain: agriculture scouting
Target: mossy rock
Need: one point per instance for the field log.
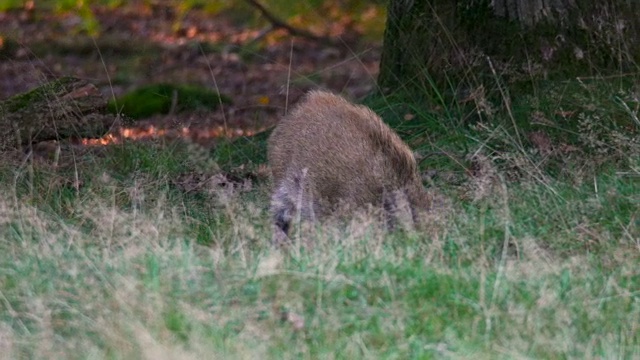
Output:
(158, 98)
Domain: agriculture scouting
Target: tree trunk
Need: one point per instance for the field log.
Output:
(530, 12)
(435, 44)
(412, 39)
(63, 108)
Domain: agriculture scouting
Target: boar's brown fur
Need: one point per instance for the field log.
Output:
(327, 152)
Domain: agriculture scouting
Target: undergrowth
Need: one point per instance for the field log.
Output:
(163, 251)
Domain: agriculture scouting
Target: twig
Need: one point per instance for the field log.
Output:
(280, 24)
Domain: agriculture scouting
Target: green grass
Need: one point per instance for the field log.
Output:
(529, 253)
(129, 266)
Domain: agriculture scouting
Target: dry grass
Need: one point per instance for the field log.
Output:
(138, 252)
(145, 251)
(112, 282)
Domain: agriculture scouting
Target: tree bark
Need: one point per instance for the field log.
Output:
(431, 44)
(530, 12)
(60, 109)
(416, 31)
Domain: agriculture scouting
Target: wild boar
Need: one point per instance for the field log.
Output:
(327, 152)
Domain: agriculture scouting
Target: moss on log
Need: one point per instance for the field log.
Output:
(63, 108)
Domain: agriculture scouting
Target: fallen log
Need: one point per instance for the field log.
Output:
(60, 109)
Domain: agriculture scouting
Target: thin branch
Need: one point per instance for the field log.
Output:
(280, 24)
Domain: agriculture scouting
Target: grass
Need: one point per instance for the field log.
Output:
(532, 251)
(131, 266)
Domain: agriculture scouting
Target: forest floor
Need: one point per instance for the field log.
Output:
(162, 249)
(141, 45)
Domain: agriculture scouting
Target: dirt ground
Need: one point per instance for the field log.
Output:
(142, 45)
